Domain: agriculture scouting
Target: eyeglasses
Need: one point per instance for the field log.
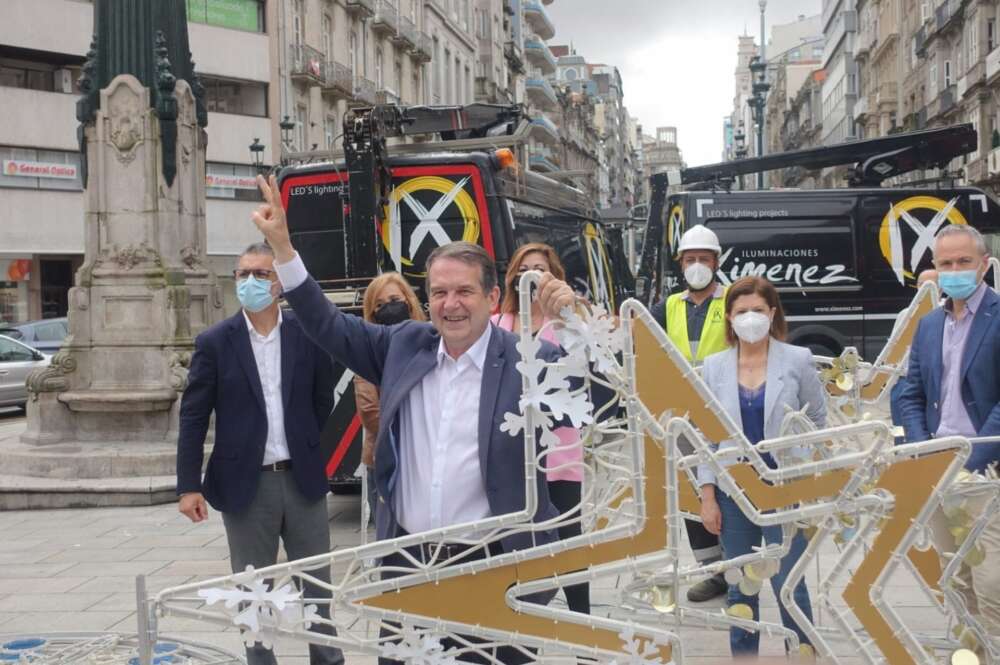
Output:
(261, 273)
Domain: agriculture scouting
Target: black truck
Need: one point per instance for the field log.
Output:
(844, 260)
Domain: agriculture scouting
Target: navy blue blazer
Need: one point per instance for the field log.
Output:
(396, 358)
(223, 378)
(920, 398)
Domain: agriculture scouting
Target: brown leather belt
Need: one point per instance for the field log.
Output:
(283, 465)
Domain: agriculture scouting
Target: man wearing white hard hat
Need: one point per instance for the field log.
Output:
(695, 321)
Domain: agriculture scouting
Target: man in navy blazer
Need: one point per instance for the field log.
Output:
(952, 388)
(271, 390)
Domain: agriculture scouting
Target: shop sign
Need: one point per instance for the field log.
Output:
(231, 181)
(238, 14)
(24, 169)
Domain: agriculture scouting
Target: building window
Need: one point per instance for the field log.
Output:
(331, 132)
(932, 78)
(972, 26)
(448, 85)
(236, 14)
(238, 97)
(435, 69)
(298, 22)
(328, 36)
(28, 168)
(947, 73)
(300, 127)
(398, 70)
(24, 71)
(378, 69)
(991, 33)
(415, 90)
(354, 53)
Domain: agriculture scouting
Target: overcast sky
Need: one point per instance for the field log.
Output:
(677, 57)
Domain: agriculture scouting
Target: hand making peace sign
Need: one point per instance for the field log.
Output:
(270, 219)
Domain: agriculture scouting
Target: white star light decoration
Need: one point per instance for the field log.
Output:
(825, 477)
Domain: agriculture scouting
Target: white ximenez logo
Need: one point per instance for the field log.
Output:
(783, 273)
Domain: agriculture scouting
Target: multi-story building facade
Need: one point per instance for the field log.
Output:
(930, 63)
(840, 87)
(40, 61)
(661, 153)
(741, 119)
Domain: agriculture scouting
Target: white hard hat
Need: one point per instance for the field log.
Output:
(699, 237)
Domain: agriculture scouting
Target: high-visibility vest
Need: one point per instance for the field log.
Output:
(713, 334)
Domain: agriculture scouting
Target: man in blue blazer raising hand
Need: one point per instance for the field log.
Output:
(444, 388)
(952, 388)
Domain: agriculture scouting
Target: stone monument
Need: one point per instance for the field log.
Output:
(102, 418)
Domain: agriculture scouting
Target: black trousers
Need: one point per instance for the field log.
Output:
(565, 496)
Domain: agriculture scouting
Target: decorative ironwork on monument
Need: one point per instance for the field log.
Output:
(147, 39)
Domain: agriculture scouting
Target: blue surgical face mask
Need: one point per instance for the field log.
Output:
(254, 294)
(958, 284)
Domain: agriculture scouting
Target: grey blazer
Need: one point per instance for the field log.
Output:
(792, 380)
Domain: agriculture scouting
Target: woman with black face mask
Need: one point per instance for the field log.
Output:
(389, 300)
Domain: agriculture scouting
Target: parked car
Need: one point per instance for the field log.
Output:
(46, 335)
(16, 362)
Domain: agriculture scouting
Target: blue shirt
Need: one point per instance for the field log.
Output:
(752, 415)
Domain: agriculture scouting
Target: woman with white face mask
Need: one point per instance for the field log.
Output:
(755, 380)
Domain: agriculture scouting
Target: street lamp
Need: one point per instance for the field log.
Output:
(758, 70)
(287, 126)
(257, 155)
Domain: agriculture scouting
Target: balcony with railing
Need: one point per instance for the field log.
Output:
(406, 33)
(361, 8)
(385, 19)
(543, 160)
(993, 65)
(948, 15)
(386, 96)
(338, 79)
(306, 64)
(538, 18)
(421, 51)
(512, 52)
(364, 90)
(972, 78)
(546, 130)
(541, 93)
(540, 55)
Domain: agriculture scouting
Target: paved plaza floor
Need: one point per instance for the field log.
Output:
(74, 570)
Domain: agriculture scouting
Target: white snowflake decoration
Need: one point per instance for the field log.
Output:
(259, 611)
(638, 651)
(592, 339)
(419, 648)
(548, 397)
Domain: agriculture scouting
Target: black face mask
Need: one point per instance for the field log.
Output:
(392, 312)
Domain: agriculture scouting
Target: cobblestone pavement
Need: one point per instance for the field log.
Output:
(74, 570)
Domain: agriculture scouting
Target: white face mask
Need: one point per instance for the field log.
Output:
(698, 276)
(751, 327)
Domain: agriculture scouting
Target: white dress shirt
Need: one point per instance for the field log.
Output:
(267, 354)
(439, 482)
